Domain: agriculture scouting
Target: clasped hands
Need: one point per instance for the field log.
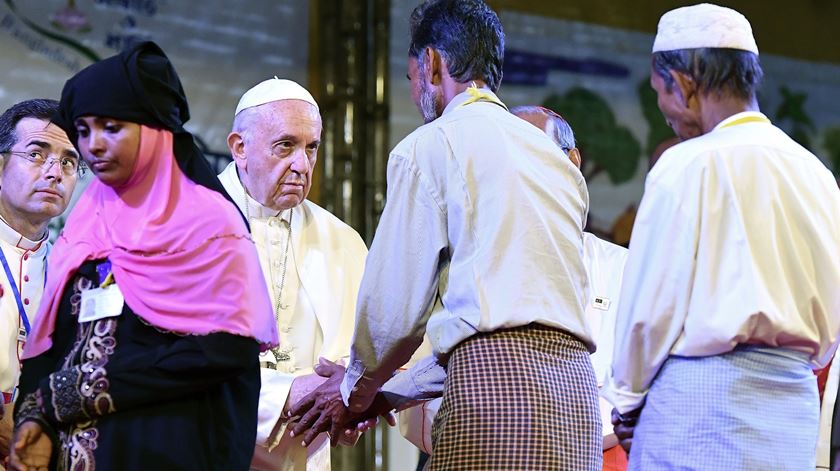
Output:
(31, 448)
(323, 410)
(624, 426)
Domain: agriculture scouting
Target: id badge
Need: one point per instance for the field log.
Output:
(99, 303)
(601, 303)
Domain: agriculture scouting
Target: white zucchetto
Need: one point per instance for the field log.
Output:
(704, 26)
(274, 89)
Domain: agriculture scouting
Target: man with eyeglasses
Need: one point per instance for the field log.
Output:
(38, 171)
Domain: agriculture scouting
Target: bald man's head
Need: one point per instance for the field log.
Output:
(554, 126)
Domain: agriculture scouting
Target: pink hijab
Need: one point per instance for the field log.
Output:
(180, 253)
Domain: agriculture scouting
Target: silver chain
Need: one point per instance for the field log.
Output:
(279, 355)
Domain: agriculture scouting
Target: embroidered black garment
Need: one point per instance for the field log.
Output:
(119, 394)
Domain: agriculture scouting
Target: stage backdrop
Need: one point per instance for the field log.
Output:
(220, 48)
(598, 78)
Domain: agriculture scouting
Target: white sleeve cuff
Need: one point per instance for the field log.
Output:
(352, 376)
(274, 391)
(623, 399)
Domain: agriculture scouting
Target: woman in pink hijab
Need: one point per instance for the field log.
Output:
(144, 350)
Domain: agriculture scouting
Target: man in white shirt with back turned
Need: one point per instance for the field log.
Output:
(312, 261)
(730, 294)
(38, 173)
(604, 263)
(479, 246)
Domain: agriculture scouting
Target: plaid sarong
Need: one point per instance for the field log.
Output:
(518, 399)
(754, 408)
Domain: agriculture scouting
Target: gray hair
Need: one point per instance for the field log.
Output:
(243, 121)
(557, 128)
(722, 71)
(466, 33)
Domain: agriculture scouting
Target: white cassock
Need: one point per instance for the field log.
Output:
(27, 263)
(604, 263)
(315, 311)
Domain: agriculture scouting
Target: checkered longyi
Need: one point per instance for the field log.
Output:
(519, 399)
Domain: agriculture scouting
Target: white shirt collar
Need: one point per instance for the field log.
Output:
(462, 97)
(14, 238)
(737, 116)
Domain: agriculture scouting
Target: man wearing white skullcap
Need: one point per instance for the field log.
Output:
(730, 294)
(312, 261)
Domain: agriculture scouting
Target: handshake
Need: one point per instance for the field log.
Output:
(323, 410)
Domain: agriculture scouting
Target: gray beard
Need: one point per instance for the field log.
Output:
(428, 104)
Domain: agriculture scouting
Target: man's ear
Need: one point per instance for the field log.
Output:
(434, 66)
(684, 87)
(574, 156)
(236, 144)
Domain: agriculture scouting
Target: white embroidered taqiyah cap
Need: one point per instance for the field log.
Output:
(704, 25)
(274, 89)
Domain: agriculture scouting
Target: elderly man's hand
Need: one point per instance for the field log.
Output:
(625, 426)
(323, 409)
(355, 430)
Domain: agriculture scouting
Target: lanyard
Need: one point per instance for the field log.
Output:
(15, 291)
(746, 119)
(478, 95)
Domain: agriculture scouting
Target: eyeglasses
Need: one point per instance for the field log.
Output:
(69, 165)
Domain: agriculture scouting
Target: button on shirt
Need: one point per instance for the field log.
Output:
(26, 261)
(736, 241)
(481, 231)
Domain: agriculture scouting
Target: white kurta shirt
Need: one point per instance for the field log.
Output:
(481, 231)
(736, 241)
(27, 262)
(314, 312)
